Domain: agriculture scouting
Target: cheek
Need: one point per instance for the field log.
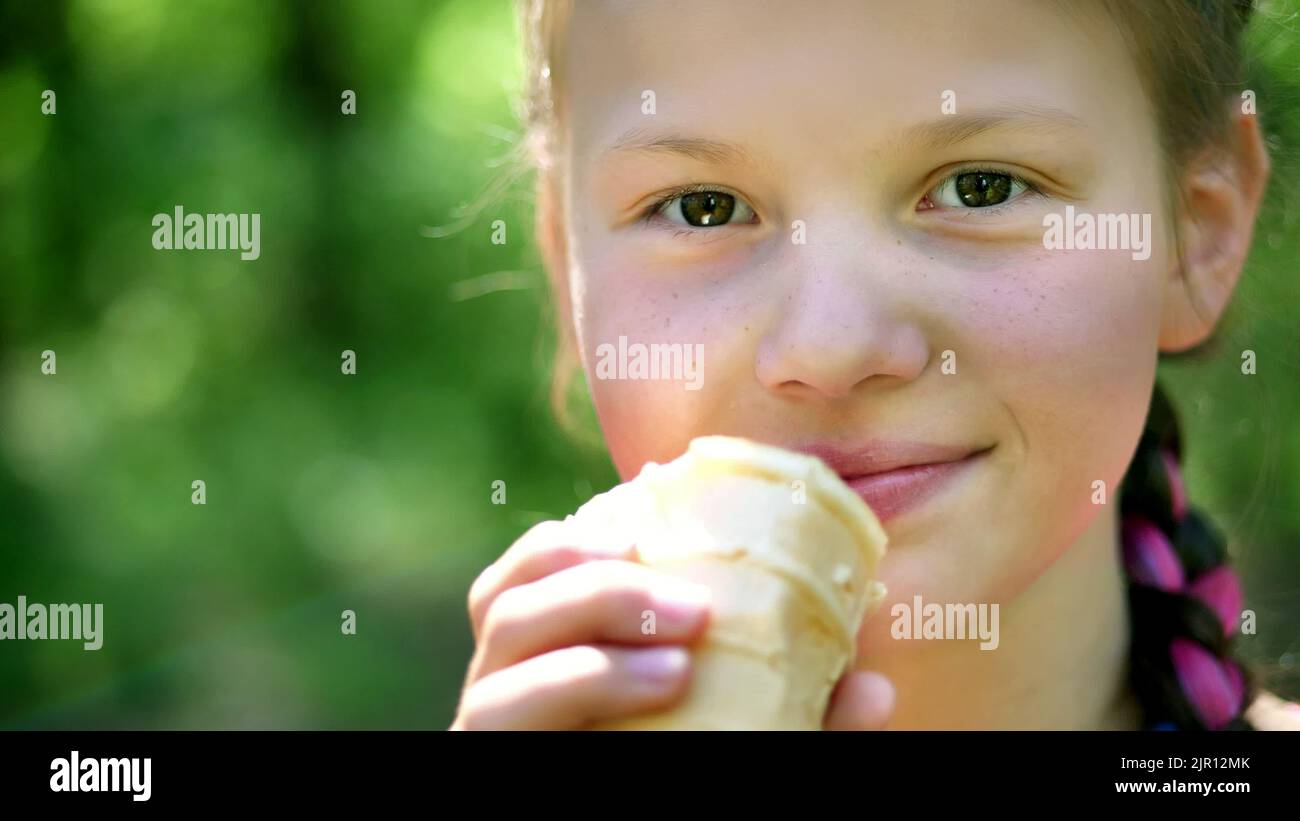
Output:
(1075, 314)
(1056, 357)
(1070, 343)
(1069, 346)
(652, 419)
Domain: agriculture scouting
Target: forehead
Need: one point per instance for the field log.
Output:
(833, 74)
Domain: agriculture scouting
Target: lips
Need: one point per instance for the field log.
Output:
(894, 477)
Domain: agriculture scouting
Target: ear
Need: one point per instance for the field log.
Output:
(551, 239)
(1221, 193)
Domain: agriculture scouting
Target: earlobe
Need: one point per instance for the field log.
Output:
(1221, 194)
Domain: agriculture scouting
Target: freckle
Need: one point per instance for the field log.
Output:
(674, 294)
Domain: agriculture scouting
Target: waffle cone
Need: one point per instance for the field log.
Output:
(790, 554)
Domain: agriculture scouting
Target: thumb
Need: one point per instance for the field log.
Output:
(861, 700)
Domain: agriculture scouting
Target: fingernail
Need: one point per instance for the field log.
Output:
(607, 548)
(659, 663)
(683, 603)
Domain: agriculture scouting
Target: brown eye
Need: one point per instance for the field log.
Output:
(969, 190)
(978, 189)
(706, 209)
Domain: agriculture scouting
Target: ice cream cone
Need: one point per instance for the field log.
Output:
(790, 554)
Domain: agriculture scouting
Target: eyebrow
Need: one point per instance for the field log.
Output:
(716, 152)
(950, 130)
(1029, 117)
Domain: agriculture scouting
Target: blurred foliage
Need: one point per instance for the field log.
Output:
(370, 492)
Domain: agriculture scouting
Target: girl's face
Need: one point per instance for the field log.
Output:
(870, 267)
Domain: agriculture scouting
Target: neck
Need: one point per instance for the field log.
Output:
(1061, 663)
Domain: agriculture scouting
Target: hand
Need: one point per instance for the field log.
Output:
(861, 700)
(559, 641)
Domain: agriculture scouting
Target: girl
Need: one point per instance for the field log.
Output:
(859, 211)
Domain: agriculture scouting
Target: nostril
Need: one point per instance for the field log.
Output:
(823, 390)
(809, 362)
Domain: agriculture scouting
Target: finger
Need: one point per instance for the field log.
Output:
(545, 548)
(862, 700)
(572, 687)
(600, 602)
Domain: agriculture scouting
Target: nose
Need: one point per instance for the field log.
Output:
(840, 325)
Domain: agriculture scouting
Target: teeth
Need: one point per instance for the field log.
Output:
(790, 554)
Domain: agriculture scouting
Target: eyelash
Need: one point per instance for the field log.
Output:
(657, 207)
(1031, 190)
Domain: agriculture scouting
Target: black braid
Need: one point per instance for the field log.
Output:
(1157, 617)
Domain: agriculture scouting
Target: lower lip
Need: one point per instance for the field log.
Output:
(894, 492)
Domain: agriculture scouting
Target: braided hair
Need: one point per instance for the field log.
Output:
(1184, 600)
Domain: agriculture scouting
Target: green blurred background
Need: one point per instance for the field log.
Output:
(372, 492)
